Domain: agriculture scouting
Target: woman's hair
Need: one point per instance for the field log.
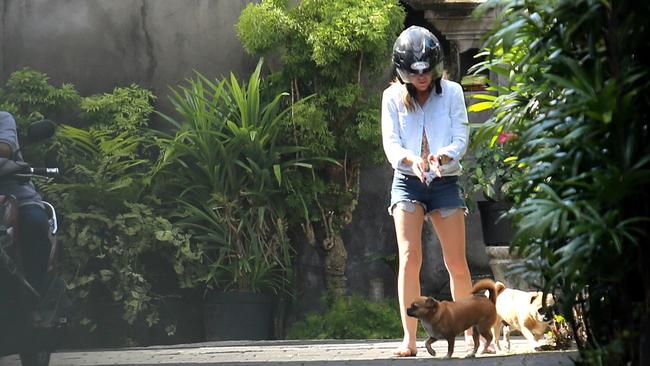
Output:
(411, 93)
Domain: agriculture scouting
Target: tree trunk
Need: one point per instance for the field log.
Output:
(336, 259)
(336, 256)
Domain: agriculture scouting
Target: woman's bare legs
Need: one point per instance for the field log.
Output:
(408, 227)
(451, 232)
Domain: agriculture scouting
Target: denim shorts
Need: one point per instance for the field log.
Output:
(443, 194)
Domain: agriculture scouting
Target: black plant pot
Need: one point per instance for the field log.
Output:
(238, 316)
(496, 230)
(110, 329)
(186, 314)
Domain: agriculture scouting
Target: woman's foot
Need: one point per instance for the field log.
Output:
(405, 350)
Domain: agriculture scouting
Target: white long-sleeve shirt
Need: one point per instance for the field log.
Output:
(443, 118)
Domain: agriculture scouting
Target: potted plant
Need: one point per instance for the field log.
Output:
(231, 166)
(474, 83)
(491, 171)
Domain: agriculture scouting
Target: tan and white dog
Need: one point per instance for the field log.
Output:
(523, 311)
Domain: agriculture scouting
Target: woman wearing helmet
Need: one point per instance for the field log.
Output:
(425, 133)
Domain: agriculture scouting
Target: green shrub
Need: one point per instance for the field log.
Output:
(230, 167)
(124, 109)
(336, 52)
(118, 245)
(351, 317)
(29, 96)
(111, 223)
(108, 224)
(574, 91)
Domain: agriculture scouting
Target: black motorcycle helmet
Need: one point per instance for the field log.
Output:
(417, 51)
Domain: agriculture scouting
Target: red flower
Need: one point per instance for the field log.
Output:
(504, 136)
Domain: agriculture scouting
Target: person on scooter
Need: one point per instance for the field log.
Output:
(33, 218)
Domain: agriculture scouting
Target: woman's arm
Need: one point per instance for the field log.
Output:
(390, 135)
(396, 153)
(459, 126)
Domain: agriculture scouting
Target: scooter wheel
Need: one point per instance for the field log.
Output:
(40, 358)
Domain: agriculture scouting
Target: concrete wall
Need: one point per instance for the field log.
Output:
(100, 44)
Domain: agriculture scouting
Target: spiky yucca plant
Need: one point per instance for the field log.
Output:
(229, 166)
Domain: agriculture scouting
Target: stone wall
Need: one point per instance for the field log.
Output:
(100, 44)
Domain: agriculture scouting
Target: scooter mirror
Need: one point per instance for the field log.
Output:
(40, 130)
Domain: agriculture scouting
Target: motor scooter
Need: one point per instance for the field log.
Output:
(31, 323)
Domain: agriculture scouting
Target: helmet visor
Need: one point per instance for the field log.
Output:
(407, 77)
(419, 68)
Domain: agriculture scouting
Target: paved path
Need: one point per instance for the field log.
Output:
(308, 353)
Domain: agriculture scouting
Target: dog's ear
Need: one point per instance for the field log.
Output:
(430, 302)
(550, 300)
(499, 287)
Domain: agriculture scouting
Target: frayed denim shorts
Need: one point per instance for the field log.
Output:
(443, 194)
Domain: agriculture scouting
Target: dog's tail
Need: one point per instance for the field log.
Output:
(483, 285)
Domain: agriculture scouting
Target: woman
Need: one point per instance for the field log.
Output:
(425, 134)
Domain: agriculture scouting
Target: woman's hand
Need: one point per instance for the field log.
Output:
(436, 163)
(419, 167)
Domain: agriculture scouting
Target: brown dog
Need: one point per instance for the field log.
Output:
(522, 311)
(447, 319)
